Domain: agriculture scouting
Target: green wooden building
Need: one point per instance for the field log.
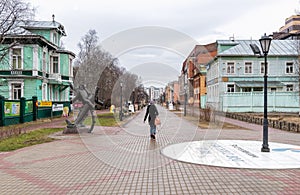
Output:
(36, 65)
(235, 77)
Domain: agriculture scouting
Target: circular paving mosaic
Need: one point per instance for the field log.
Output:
(235, 154)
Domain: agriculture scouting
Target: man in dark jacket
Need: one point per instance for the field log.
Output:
(151, 113)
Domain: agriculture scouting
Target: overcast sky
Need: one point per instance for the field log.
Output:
(166, 30)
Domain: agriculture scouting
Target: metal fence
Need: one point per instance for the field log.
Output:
(26, 110)
(253, 102)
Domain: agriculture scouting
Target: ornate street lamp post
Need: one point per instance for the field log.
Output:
(185, 98)
(121, 110)
(265, 43)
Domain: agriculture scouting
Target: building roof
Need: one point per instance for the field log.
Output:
(66, 52)
(44, 25)
(207, 53)
(25, 27)
(22, 32)
(242, 47)
(29, 39)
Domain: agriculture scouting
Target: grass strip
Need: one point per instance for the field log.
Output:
(27, 139)
(105, 119)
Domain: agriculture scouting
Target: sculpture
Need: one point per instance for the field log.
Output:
(88, 101)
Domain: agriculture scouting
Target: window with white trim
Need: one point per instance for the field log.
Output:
(230, 88)
(54, 64)
(50, 92)
(44, 62)
(70, 67)
(55, 39)
(16, 91)
(289, 68)
(230, 68)
(44, 91)
(262, 68)
(16, 62)
(289, 88)
(248, 67)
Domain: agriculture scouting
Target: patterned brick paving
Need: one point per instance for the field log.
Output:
(125, 161)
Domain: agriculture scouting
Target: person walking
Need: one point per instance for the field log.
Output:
(151, 113)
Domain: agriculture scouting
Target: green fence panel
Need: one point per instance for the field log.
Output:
(12, 108)
(29, 106)
(44, 112)
(34, 108)
(28, 117)
(11, 112)
(57, 113)
(22, 109)
(15, 111)
(12, 120)
(2, 116)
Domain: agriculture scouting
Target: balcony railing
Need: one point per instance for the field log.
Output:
(55, 77)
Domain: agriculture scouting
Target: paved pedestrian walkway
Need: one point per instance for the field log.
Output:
(123, 160)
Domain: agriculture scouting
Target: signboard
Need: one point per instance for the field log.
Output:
(57, 107)
(12, 108)
(44, 104)
(28, 107)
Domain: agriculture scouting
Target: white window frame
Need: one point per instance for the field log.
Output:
(44, 67)
(230, 68)
(290, 87)
(262, 67)
(290, 68)
(50, 88)
(230, 89)
(54, 37)
(11, 90)
(12, 58)
(246, 67)
(70, 67)
(51, 64)
(44, 91)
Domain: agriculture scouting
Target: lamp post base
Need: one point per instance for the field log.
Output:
(265, 149)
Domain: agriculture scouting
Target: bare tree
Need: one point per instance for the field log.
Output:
(100, 72)
(129, 83)
(91, 61)
(139, 96)
(87, 46)
(13, 13)
(108, 80)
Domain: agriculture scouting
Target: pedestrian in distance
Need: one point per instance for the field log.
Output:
(151, 114)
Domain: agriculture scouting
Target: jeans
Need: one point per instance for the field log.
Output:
(152, 129)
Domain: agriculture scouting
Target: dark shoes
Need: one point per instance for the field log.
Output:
(152, 136)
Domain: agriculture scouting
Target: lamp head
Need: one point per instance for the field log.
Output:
(265, 42)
